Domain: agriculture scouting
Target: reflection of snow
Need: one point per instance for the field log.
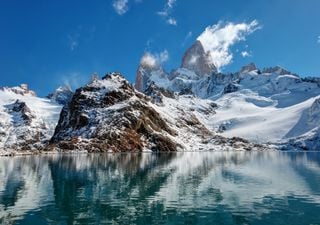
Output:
(242, 179)
(35, 188)
(250, 182)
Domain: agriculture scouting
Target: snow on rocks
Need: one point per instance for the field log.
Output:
(27, 122)
(272, 105)
(110, 115)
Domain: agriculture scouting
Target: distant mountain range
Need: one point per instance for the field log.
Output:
(193, 108)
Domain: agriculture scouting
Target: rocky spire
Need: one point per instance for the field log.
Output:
(148, 66)
(197, 60)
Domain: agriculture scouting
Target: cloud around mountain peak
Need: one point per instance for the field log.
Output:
(219, 38)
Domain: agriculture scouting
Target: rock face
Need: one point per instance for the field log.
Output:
(29, 132)
(251, 101)
(61, 95)
(109, 115)
(147, 68)
(197, 60)
(22, 111)
(277, 70)
(157, 93)
(231, 87)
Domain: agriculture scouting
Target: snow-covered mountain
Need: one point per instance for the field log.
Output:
(62, 95)
(271, 105)
(108, 114)
(27, 122)
(192, 108)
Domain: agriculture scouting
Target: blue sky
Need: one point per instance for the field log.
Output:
(48, 43)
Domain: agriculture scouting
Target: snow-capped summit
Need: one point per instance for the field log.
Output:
(23, 89)
(197, 60)
(110, 115)
(62, 95)
(271, 105)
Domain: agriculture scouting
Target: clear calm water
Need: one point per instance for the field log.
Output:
(179, 188)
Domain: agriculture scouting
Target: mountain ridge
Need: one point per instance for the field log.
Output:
(193, 108)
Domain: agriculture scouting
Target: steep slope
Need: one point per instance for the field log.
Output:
(198, 61)
(148, 67)
(27, 122)
(110, 115)
(267, 107)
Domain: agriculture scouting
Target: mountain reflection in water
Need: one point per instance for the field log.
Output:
(175, 188)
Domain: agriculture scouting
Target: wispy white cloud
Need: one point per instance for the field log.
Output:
(189, 35)
(74, 79)
(186, 38)
(171, 3)
(172, 21)
(73, 45)
(318, 41)
(120, 6)
(154, 59)
(218, 39)
(245, 54)
(79, 35)
(166, 12)
(73, 39)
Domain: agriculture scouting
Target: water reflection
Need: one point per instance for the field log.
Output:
(176, 188)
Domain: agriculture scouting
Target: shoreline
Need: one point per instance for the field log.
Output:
(43, 153)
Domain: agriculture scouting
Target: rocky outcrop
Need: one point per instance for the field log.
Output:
(315, 80)
(21, 111)
(25, 131)
(197, 60)
(314, 112)
(157, 93)
(109, 115)
(248, 68)
(61, 95)
(231, 87)
(277, 70)
(148, 67)
(23, 89)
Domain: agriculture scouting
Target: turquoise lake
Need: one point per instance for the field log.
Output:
(174, 188)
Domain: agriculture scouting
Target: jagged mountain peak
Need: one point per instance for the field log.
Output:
(145, 71)
(114, 76)
(197, 60)
(248, 68)
(114, 81)
(109, 115)
(62, 95)
(277, 70)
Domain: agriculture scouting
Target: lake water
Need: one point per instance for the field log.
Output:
(176, 188)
